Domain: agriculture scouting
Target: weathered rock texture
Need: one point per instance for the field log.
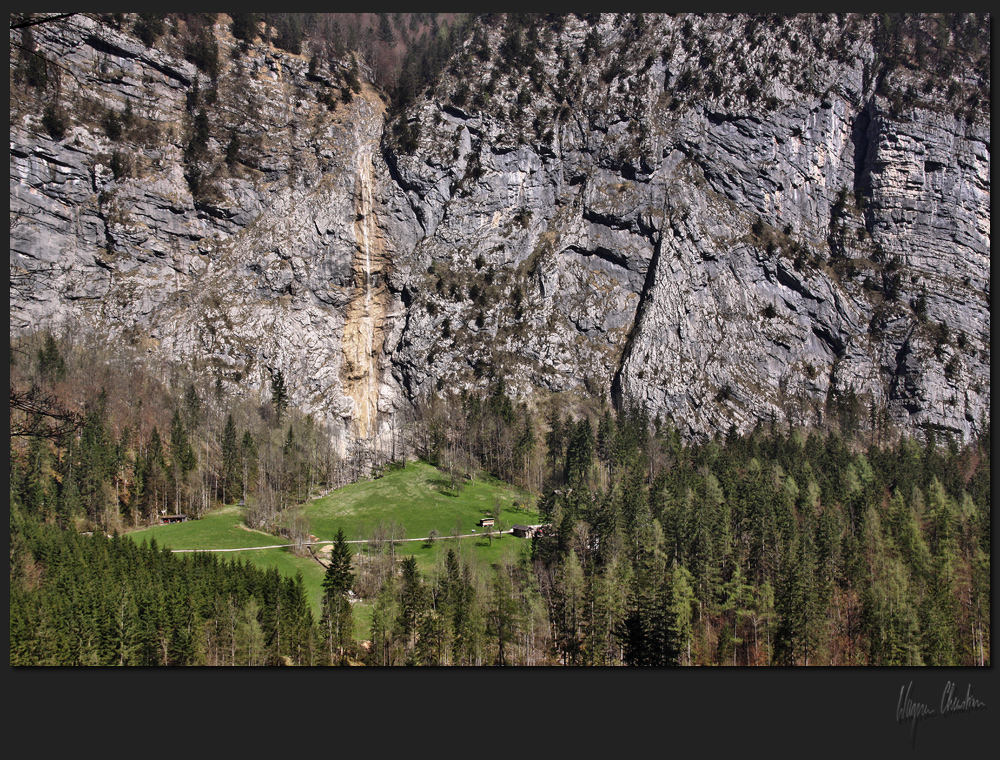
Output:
(727, 220)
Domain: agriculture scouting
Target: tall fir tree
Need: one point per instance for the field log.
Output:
(337, 583)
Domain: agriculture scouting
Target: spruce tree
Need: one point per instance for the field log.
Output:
(248, 461)
(51, 365)
(337, 582)
(230, 460)
(412, 603)
(279, 394)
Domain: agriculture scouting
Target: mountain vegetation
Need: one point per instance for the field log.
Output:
(782, 546)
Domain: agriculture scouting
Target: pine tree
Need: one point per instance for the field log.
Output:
(337, 582)
(182, 457)
(248, 462)
(413, 601)
(192, 405)
(799, 606)
(579, 451)
(605, 437)
(939, 608)
(503, 615)
(384, 644)
(736, 608)
(231, 480)
(385, 33)
(51, 365)
(649, 633)
(568, 593)
(95, 460)
(279, 395)
(449, 601)
(554, 442)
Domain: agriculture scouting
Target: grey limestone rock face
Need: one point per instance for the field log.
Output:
(727, 231)
(723, 262)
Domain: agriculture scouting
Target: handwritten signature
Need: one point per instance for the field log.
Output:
(912, 711)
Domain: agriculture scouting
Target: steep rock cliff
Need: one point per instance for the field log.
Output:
(727, 223)
(243, 261)
(728, 218)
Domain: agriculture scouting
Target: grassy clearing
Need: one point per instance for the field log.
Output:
(417, 498)
(477, 551)
(220, 529)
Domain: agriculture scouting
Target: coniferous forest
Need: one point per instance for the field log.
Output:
(837, 545)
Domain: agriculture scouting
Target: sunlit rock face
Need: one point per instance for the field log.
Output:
(730, 220)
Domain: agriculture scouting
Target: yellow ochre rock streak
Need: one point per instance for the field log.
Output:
(364, 327)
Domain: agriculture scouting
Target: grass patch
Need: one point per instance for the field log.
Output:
(417, 498)
(475, 551)
(220, 529)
